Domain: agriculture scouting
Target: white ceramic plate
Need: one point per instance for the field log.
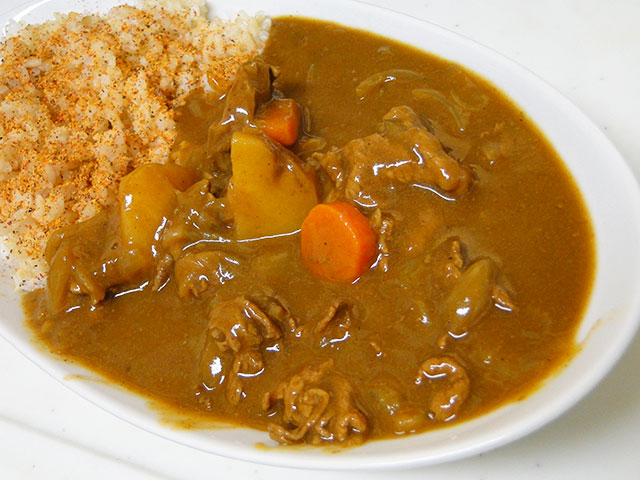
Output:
(611, 319)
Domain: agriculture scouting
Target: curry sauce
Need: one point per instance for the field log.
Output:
(483, 265)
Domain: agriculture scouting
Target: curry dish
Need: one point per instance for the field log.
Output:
(356, 241)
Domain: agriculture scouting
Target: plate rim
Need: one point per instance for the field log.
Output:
(302, 460)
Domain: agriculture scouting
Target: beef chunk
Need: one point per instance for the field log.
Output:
(196, 272)
(449, 383)
(238, 328)
(383, 225)
(275, 307)
(319, 405)
(89, 258)
(251, 87)
(404, 152)
(445, 263)
(333, 328)
(199, 216)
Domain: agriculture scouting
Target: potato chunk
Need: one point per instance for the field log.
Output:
(147, 196)
(269, 191)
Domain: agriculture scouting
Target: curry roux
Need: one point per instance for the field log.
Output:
(382, 335)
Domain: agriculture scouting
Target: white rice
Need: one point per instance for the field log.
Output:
(84, 99)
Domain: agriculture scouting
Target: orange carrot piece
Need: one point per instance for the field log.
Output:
(280, 120)
(337, 242)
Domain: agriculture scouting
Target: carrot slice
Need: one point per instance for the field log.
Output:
(280, 120)
(337, 242)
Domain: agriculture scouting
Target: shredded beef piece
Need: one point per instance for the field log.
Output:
(383, 225)
(196, 272)
(329, 316)
(450, 383)
(163, 272)
(238, 326)
(275, 308)
(334, 328)
(319, 406)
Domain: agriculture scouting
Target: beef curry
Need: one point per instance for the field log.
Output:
(356, 241)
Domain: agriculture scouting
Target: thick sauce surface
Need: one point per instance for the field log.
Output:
(395, 353)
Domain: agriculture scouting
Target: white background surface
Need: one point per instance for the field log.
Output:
(590, 51)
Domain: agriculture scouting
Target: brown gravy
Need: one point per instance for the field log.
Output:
(522, 212)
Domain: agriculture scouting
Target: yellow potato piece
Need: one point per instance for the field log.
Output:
(180, 177)
(269, 192)
(147, 196)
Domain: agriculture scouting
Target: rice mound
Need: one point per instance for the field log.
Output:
(84, 99)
